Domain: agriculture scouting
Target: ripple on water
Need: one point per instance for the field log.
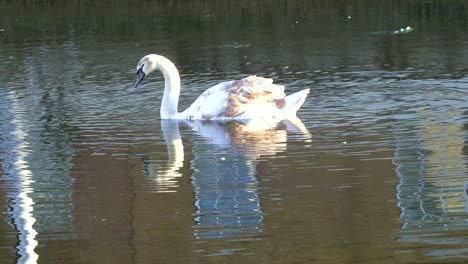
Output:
(361, 119)
(432, 188)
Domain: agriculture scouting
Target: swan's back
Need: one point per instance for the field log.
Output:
(252, 91)
(248, 98)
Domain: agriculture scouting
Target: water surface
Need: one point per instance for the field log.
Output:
(372, 171)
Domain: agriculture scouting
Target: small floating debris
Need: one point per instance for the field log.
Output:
(2, 29)
(403, 30)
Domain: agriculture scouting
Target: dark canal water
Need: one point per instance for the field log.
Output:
(374, 170)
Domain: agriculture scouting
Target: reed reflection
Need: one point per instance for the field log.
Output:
(225, 179)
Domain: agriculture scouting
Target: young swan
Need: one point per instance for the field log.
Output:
(249, 98)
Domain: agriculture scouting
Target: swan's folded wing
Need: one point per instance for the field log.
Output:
(230, 99)
(253, 92)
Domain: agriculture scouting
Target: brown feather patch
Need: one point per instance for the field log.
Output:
(280, 103)
(251, 90)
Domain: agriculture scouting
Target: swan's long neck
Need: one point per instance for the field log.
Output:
(170, 98)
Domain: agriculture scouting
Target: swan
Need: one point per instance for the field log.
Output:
(246, 99)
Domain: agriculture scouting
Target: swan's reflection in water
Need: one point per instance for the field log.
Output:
(165, 174)
(224, 179)
(251, 139)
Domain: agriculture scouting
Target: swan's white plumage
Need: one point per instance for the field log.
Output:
(249, 98)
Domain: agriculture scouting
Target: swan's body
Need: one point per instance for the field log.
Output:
(250, 98)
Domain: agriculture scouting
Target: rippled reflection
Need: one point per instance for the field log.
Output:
(36, 162)
(164, 175)
(224, 175)
(431, 166)
(18, 173)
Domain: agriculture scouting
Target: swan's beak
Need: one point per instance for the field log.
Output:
(140, 76)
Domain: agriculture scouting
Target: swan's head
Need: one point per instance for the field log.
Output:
(145, 66)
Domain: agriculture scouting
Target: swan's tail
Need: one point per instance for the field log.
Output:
(295, 101)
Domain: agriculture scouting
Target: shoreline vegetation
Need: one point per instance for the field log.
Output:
(358, 16)
(258, 9)
(309, 24)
